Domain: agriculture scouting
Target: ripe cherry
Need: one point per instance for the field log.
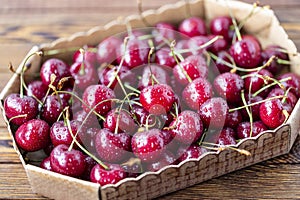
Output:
(107, 50)
(164, 57)
(271, 113)
(244, 129)
(193, 26)
(114, 174)
(37, 88)
(222, 25)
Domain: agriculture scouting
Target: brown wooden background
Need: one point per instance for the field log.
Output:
(25, 23)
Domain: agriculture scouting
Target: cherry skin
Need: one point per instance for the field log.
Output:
(36, 88)
(107, 50)
(67, 162)
(191, 152)
(223, 56)
(226, 137)
(271, 113)
(253, 109)
(163, 31)
(148, 145)
(122, 119)
(219, 45)
(193, 26)
(114, 174)
(46, 164)
(111, 147)
(255, 82)
(196, 93)
(213, 112)
(54, 66)
(157, 99)
(187, 127)
(164, 57)
(229, 86)
(274, 50)
(142, 116)
(193, 66)
(290, 99)
(15, 106)
(167, 158)
(246, 52)
(234, 118)
(222, 26)
(89, 164)
(293, 82)
(89, 122)
(88, 56)
(195, 42)
(33, 135)
(98, 97)
(244, 129)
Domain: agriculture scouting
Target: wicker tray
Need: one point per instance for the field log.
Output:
(171, 178)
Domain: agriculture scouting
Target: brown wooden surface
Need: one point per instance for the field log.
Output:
(25, 23)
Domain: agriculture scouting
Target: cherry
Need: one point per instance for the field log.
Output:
(226, 137)
(84, 74)
(88, 139)
(142, 116)
(90, 121)
(192, 152)
(33, 135)
(52, 109)
(122, 119)
(274, 50)
(60, 133)
(37, 88)
(256, 82)
(133, 169)
(89, 164)
(157, 99)
(162, 32)
(54, 66)
(20, 109)
(293, 82)
(46, 164)
(271, 113)
(98, 97)
(234, 118)
(246, 52)
(136, 53)
(187, 127)
(111, 147)
(107, 50)
(114, 174)
(167, 158)
(48, 149)
(244, 129)
(253, 109)
(219, 45)
(229, 86)
(195, 42)
(160, 74)
(222, 25)
(183, 44)
(223, 56)
(87, 56)
(164, 57)
(148, 145)
(290, 101)
(213, 112)
(67, 162)
(193, 66)
(192, 26)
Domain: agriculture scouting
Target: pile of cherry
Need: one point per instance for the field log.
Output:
(152, 98)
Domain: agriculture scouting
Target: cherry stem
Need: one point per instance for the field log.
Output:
(236, 28)
(249, 111)
(276, 82)
(82, 67)
(18, 116)
(132, 88)
(172, 46)
(283, 62)
(255, 103)
(224, 147)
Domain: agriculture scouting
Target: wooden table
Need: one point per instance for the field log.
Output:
(25, 23)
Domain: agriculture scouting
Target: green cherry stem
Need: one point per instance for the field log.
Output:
(249, 111)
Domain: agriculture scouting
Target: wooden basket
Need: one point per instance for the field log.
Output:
(149, 185)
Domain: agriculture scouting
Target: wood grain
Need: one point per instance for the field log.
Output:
(25, 23)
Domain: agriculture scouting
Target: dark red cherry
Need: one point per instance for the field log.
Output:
(219, 45)
(164, 57)
(274, 50)
(221, 63)
(89, 55)
(246, 52)
(89, 164)
(20, 109)
(234, 118)
(111, 147)
(107, 50)
(46, 164)
(195, 42)
(157, 99)
(196, 93)
(193, 67)
(271, 113)
(163, 32)
(226, 137)
(84, 74)
(187, 127)
(136, 53)
(229, 86)
(244, 129)
(87, 121)
(142, 116)
(222, 25)
(183, 45)
(98, 97)
(192, 152)
(67, 162)
(290, 99)
(293, 82)
(148, 145)
(54, 66)
(114, 174)
(193, 26)
(60, 133)
(37, 88)
(253, 109)
(255, 81)
(120, 120)
(213, 112)
(33, 135)
(167, 158)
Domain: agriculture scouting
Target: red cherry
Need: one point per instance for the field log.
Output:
(36, 88)
(223, 56)
(219, 45)
(167, 158)
(274, 50)
(46, 164)
(253, 109)
(234, 118)
(290, 100)
(222, 26)
(33, 135)
(89, 164)
(164, 57)
(255, 82)
(271, 113)
(193, 26)
(293, 82)
(67, 162)
(157, 99)
(114, 174)
(107, 50)
(192, 152)
(243, 129)
(195, 42)
(163, 31)
(226, 137)
(15, 106)
(89, 56)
